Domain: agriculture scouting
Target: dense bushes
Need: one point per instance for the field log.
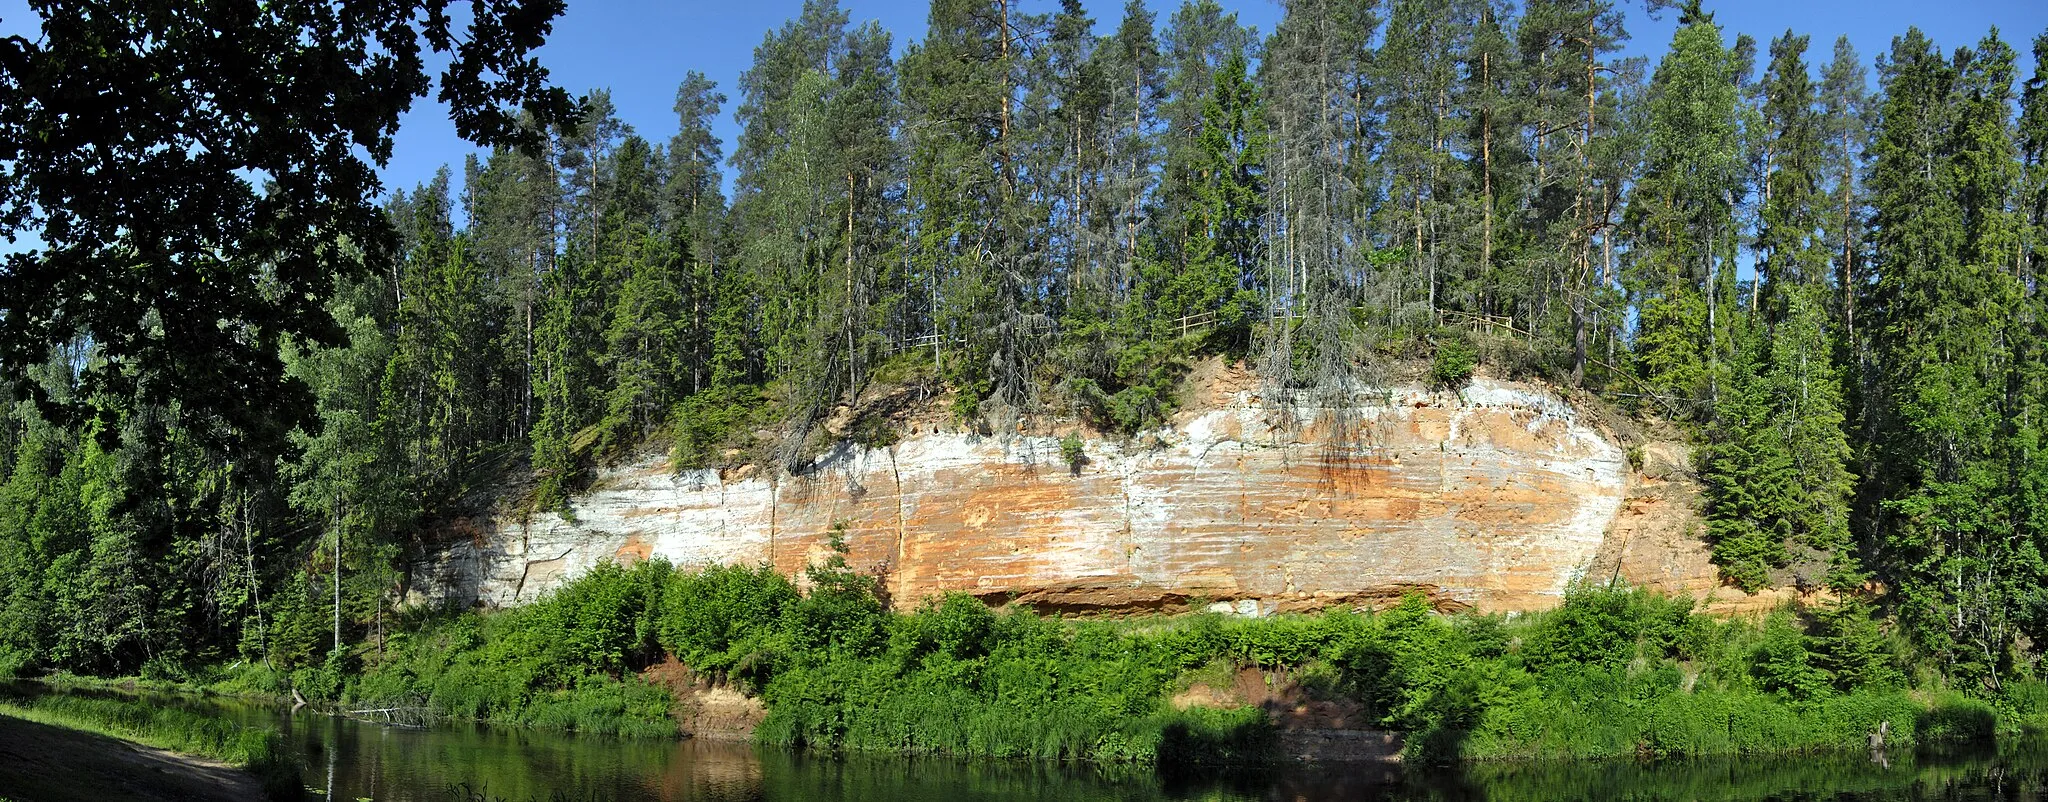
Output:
(1451, 367)
(564, 662)
(1612, 672)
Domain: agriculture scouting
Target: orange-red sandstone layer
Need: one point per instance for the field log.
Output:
(1492, 498)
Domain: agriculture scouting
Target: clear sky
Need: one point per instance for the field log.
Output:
(640, 49)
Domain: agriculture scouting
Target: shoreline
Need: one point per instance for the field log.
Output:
(40, 760)
(119, 764)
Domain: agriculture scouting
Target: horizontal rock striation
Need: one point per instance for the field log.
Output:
(1494, 498)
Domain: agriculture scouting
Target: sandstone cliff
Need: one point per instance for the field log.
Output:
(1494, 498)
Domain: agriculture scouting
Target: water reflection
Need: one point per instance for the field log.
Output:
(382, 763)
(347, 759)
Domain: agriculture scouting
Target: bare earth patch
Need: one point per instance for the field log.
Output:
(1310, 729)
(705, 710)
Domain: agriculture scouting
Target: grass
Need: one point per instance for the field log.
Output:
(260, 751)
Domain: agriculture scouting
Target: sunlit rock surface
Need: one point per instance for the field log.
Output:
(1491, 498)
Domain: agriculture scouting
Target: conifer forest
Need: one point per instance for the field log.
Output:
(236, 410)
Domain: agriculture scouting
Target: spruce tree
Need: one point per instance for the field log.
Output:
(1750, 474)
(1943, 165)
(1789, 215)
(1219, 275)
(1807, 407)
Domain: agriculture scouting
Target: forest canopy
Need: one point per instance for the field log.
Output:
(1824, 265)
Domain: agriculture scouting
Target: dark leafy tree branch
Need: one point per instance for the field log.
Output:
(200, 174)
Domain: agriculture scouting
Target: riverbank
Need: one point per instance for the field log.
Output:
(1612, 673)
(114, 743)
(49, 762)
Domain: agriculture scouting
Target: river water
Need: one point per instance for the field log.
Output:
(346, 759)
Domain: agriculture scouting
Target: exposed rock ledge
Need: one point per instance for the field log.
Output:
(1491, 498)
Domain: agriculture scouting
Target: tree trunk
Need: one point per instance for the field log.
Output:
(1486, 188)
(847, 317)
(1585, 235)
(337, 575)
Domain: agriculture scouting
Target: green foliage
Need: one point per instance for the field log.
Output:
(1611, 672)
(1452, 365)
(1782, 662)
(1072, 452)
(1608, 627)
(1129, 409)
(706, 423)
(203, 332)
(1849, 646)
(1669, 351)
(565, 661)
(1029, 218)
(723, 621)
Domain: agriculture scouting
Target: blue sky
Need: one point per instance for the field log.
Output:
(640, 49)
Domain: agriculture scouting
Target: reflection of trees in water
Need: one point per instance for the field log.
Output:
(354, 759)
(1848, 775)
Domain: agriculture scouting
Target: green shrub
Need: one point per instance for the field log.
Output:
(1599, 626)
(1453, 364)
(722, 620)
(1072, 452)
(707, 422)
(1956, 718)
(1612, 672)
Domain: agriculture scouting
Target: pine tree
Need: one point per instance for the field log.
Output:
(1324, 122)
(1108, 111)
(511, 201)
(1494, 106)
(1418, 68)
(1845, 132)
(692, 213)
(783, 190)
(957, 93)
(1564, 45)
(1200, 39)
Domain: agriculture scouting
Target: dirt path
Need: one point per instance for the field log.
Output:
(41, 762)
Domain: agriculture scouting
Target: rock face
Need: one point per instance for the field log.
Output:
(1491, 498)
(1657, 541)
